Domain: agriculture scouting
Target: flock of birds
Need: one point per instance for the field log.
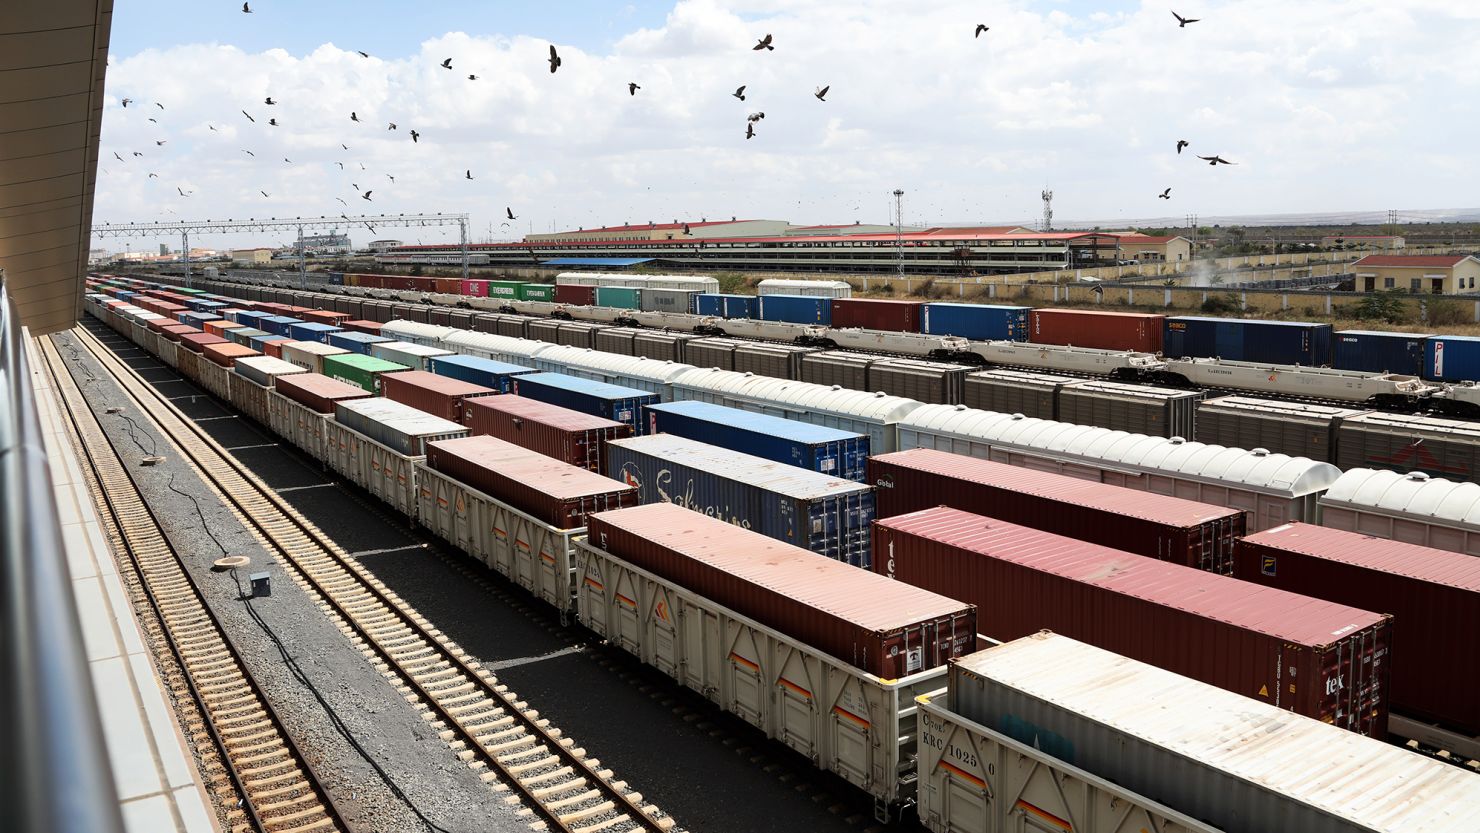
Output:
(555, 61)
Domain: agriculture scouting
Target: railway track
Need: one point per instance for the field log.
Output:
(483, 722)
(260, 780)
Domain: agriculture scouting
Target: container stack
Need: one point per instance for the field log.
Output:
(557, 493)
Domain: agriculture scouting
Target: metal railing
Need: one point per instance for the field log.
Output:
(57, 777)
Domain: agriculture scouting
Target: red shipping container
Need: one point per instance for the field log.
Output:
(1168, 528)
(438, 395)
(580, 296)
(888, 629)
(1101, 330)
(475, 289)
(324, 316)
(316, 391)
(173, 332)
(195, 342)
(447, 285)
(1317, 658)
(220, 326)
(227, 354)
(569, 436)
(1433, 595)
(275, 348)
(360, 326)
(158, 324)
(557, 493)
(876, 314)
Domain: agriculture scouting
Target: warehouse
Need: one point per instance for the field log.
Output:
(1439, 274)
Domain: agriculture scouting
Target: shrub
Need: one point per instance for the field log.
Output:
(1443, 312)
(1380, 306)
(1221, 305)
(731, 282)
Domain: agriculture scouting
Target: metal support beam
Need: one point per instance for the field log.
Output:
(269, 224)
(302, 261)
(462, 228)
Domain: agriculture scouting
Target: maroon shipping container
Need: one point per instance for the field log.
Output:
(324, 316)
(1172, 529)
(557, 493)
(888, 629)
(1317, 658)
(174, 332)
(195, 342)
(227, 354)
(569, 436)
(582, 296)
(1091, 328)
(438, 395)
(450, 286)
(317, 391)
(1433, 595)
(359, 326)
(872, 314)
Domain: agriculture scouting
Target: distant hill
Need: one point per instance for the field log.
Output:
(1334, 219)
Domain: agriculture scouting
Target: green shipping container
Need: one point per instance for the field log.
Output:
(362, 371)
(507, 290)
(537, 292)
(621, 297)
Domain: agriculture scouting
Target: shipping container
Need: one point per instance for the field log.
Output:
(679, 301)
(537, 292)
(795, 309)
(480, 371)
(401, 428)
(844, 720)
(249, 317)
(887, 629)
(1027, 392)
(243, 335)
(876, 314)
(197, 319)
(363, 326)
(474, 288)
(1247, 340)
(779, 361)
(810, 288)
(278, 324)
(315, 391)
(580, 296)
(275, 348)
(1143, 409)
(616, 340)
(1240, 766)
(309, 355)
(219, 327)
(826, 450)
(837, 367)
(1276, 425)
(413, 356)
(195, 342)
(227, 354)
(577, 333)
(725, 306)
(262, 370)
(712, 352)
(326, 316)
(1166, 528)
(502, 290)
(821, 513)
(1380, 352)
(1317, 658)
(555, 492)
(1433, 595)
(1135, 331)
(362, 371)
(1439, 447)
(978, 322)
(569, 436)
(923, 381)
(1452, 359)
(437, 395)
(613, 402)
(260, 343)
(312, 331)
(355, 341)
(659, 346)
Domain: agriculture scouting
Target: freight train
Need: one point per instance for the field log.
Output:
(896, 736)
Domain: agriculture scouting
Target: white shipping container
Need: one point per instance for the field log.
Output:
(1240, 765)
(404, 353)
(495, 347)
(263, 369)
(846, 721)
(1410, 507)
(309, 355)
(415, 332)
(395, 425)
(651, 375)
(821, 289)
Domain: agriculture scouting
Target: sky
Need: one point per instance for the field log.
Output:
(1325, 107)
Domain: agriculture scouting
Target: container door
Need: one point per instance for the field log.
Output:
(797, 712)
(851, 733)
(699, 630)
(591, 593)
(664, 650)
(627, 627)
(747, 689)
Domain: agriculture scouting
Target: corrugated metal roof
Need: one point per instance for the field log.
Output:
(788, 429)
(1383, 554)
(406, 348)
(399, 416)
(596, 261)
(1363, 781)
(1413, 261)
(491, 346)
(781, 478)
(655, 372)
(1388, 492)
(874, 407)
(1279, 473)
(415, 331)
(590, 387)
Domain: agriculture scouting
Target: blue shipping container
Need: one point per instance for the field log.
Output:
(1452, 359)
(725, 306)
(479, 371)
(278, 323)
(587, 396)
(198, 319)
(336, 279)
(1379, 352)
(202, 304)
(248, 317)
(827, 515)
(827, 450)
(978, 322)
(312, 331)
(1247, 340)
(355, 342)
(259, 343)
(795, 309)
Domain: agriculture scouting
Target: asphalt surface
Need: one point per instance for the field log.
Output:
(708, 770)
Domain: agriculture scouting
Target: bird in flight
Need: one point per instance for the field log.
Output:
(264, 193)
(469, 174)
(739, 92)
(391, 126)
(153, 176)
(246, 8)
(159, 142)
(355, 186)
(182, 191)
(136, 153)
(127, 102)
(212, 127)
(340, 164)
(346, 147)
(763, 43)
(822, 93)
(755, 117)
(1166, 195)
(286, 159)
(1183, 21)
(509, 212)
(116, 156)
(156, 121)
(272, 122)
(1182, 143)
(472, 77)
(447, 64)
(366, 196)
(1216, 160)
(415, 136)
(363, 54)
(160, 106)
(249, 153)
(249, 117)
(981, 27)
(353, 116)
(554, 59)
(632, 88)
(750, 130)
(341, 199)
(269, 101)
(391, 178)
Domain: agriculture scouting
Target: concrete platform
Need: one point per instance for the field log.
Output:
(159, 786)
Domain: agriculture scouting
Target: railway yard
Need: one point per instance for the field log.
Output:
(490, 531)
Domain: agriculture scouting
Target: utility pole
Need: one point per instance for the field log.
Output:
(185, 249)
(1192, 232)
(1047, 197)
(302, 261)
(462, 227)
(899, 228)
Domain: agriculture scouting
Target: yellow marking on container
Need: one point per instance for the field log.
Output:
(632, 603)
(521, 544)
(794, 687)
(1045, 815)
(842, 712)
(736, 658)
(962, 774)
(546, 557)
(594, 583)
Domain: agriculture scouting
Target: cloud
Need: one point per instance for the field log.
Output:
(1320, 103)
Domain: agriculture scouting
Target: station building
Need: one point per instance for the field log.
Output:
(1439, 274)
